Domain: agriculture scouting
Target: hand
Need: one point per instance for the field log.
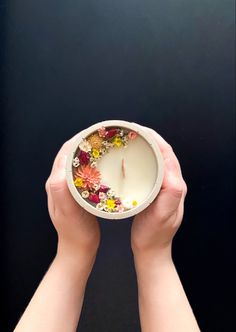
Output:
(78, 231)
(154, 228)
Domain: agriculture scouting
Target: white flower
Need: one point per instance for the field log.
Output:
(85, 146)
(100, 206)
(93, 164)
(102, 196)
(103, 151)
(85, 194)
(111, 193)
(121, 132)
(127, 204)
(76, 162)
(96, 187)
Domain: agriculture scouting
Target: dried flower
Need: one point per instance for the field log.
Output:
(95, 153)
(132, 135)
(102, 132)
(96, 187)
(84, 157)
(85, 146)
(134, 203)
(100, 206)
(76, 162)
(120, 208)
(111, 193)
(89, 175)
(110, 204)
(95, 141)
(93, 164)
(117, 141)
(102, 195)
(85, 194)
(127, 203)
(94, 198)
(111, 133)
(103, 188)
(79, 182)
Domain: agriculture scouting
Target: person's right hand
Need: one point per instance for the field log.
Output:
(78, 231)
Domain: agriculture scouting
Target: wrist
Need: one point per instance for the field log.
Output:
(152, 258)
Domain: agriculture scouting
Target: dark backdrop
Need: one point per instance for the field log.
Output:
(167, 64)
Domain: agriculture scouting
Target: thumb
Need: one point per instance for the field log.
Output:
(59, 192)
(172, 190)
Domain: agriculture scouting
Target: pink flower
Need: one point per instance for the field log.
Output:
(111, 133)
(102, 195)
(84, 158)
(103, 188)
(117, 201)
(120, 208)
(94, 198)
(89, 175)
(132, 135)
(102, 132)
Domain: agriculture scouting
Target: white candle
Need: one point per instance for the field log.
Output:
(119, 171)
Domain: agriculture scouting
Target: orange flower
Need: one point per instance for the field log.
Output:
(89, 175)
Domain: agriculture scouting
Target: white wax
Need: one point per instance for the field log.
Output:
(140, 170)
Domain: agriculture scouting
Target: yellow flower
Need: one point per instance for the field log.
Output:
(110, 204)
(78, 182)
(117, 141)
(134, 203)
(95, 153)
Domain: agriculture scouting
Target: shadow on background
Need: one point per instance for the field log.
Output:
(164, 64)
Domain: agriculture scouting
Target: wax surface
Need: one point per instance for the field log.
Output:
(140, 168)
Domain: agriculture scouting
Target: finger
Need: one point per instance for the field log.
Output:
(59, 191)
(64, 150)
(166, 149)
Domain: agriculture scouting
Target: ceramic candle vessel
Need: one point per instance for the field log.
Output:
(115, 169)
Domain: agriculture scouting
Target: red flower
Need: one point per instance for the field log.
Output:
(117, 202)
(111, 133)
(84, 158)
(94, 198)
(103, 188)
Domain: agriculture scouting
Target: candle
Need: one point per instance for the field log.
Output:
(115, 169)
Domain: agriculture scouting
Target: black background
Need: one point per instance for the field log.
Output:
(167, 64)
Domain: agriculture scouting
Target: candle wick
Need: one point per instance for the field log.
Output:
(123, 167)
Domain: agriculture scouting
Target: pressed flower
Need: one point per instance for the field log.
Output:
(89, 175)
(84, 157)
(94, 198)
(111, 133)
(102, 132)
(95, 141)
(96, 187)
(85, 194)
(79, 182)
(117, 141)
(103, 188)
(85, 146)
(100, 206)
(102, 195)
(76, 162)
(120, 208)
(110, 204)
(132, 135)
(134, 203)
(127, 203)
(95, 153)
(111, 193)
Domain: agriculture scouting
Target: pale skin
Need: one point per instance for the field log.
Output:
(163, 305)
